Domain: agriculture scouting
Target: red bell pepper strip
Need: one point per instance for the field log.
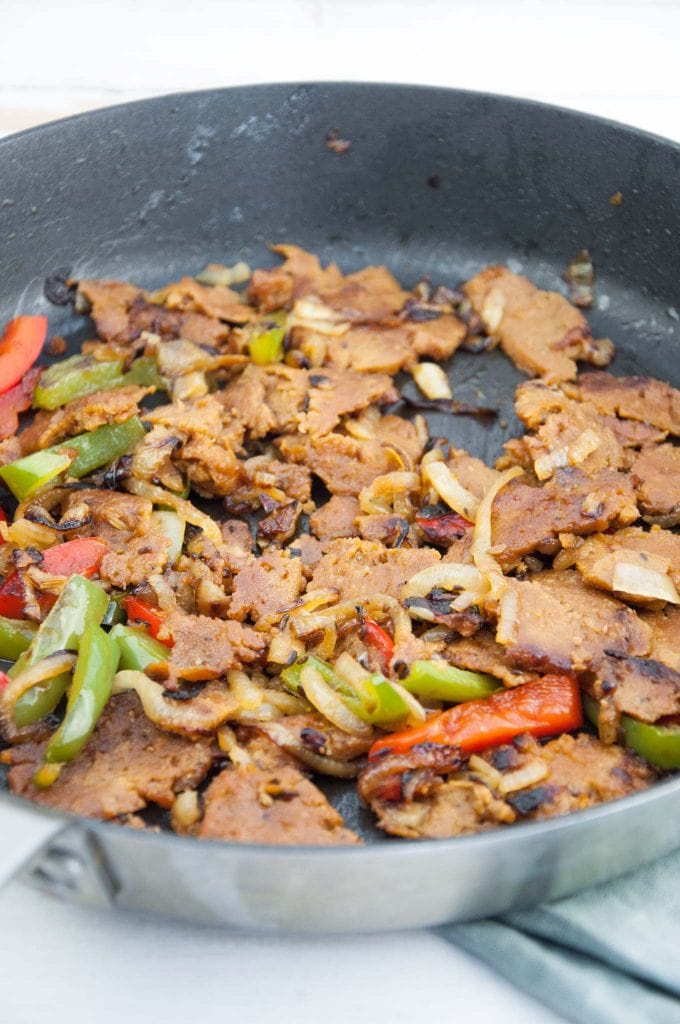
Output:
(548, 706)
(379, 640)
(81, 557)
(17, 399)
(4, 680)
(445, 528)
(138, 611)
(20, 346)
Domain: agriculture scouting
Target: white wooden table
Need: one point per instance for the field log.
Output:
(74, 966)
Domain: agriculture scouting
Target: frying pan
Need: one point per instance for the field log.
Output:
(435, 181)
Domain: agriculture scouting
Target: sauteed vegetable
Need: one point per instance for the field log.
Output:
(233, 560)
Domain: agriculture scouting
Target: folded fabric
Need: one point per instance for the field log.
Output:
(610, 955)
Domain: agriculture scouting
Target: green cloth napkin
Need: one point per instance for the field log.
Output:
(610, 955)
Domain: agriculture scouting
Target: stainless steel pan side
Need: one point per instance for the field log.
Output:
(435, 181)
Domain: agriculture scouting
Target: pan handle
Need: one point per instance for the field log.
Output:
(24, 834)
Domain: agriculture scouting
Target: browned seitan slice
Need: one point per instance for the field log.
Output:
(656, 477)
(527, 518)
(270, 801)
(127, 763)
(633, 398)
(567, 774)
(540, 331)
(206, 648)
(556, 621)
(637, 565)
(358, 569)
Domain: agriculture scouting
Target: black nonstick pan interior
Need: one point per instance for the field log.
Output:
(435, 182)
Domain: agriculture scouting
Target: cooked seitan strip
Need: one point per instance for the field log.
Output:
(390, 530)
(336, 518)
(121, 313)
(305, 272)
(237, 549)
(556, 621)
(535, 401)
(346, 464)
(474, 475)
(270, 289)
(368, 349)
(211, 468)
(265, 479)
(266, 585)
(200, 417)
(367, 296)
(483, 653)
(314, 732)
(270, 802)
(665, 627)
(216, 301)
(632, 556)
(656, 478)
(358, 569)
(337, 393)
(114, 517)
(205, 648)
(437, 339)
(275, 399)
(540, 331)
(572, 773)
(82, 415)
(309, 550)
(141, 558)
(527, 519)
(574, 438)
(645, 689)
(127, 762)
(635, 398)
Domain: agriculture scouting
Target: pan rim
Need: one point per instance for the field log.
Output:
(524, 831)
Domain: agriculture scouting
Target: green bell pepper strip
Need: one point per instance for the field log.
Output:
(137, 648)
(93, 676)
(436, 680)
(101, 446)
(26, 476)
(72, 378)
(375, 701)
(79, 607)
(267, 345)
(658, 744)
(291, 674)
(378, 702)
(16, 635)
(144, 371)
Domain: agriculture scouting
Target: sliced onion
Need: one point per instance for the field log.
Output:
(640, 581)
(215, 274)
(486, 772)
(185, 810)
(481, 543)
(228, 743)
(317, 316)
(51, 666)
(444, 575)
(172, 526)
(431, 380)
(287, 703)
(527, 775)
(379, 495)
(184, 508)
(326, 700)
(349, 670)
(416, 711)
(248, 694)
(200, 715)
(24, 533)
(438, 475)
